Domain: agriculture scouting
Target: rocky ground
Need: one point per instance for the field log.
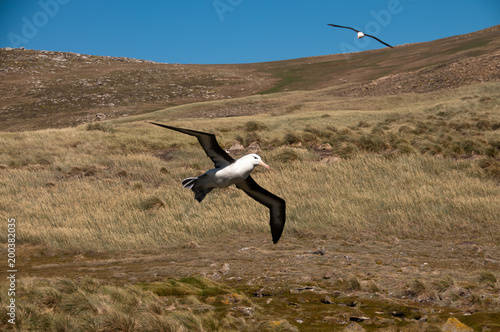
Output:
(44, 89)
(315, 283)
(484, 68)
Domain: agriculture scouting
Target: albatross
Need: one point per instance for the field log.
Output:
(361, 34)
(227, 172)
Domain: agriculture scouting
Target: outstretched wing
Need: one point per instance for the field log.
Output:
(275, 204)
(208, 142)
(341, 26)
(379, 40)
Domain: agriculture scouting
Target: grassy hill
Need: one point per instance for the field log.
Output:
(388, 161)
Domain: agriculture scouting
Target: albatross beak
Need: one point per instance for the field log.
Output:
(261, 163)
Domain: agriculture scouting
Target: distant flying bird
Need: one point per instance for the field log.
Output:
(228, 171)
(360, 33)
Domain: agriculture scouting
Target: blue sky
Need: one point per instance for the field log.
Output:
(233, 31)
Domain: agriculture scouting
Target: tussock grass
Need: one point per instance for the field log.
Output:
(100, 126)
(152, 203)
(443, 284)
(411, 196)
(91, 305)
(427, 170)
(255, 126)
(487, 278)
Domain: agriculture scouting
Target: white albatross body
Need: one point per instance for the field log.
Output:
(231, 174)
(227, 172)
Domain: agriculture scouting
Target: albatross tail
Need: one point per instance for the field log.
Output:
(199, 192)
(189, 182)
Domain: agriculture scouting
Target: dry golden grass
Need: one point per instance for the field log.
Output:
(116, 185)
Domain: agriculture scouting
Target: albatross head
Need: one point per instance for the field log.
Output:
(257, 160)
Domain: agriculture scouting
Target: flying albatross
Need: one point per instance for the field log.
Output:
(228, 171)
(360, 33)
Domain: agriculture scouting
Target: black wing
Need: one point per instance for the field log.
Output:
(208, 142)
(275, 204)
(378, 40)
(341, 26)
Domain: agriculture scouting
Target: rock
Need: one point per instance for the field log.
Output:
(246, 249)
(454, 325)
(214, 276)
(254, 148)
(358, 319)
(236, 148)
(193, 245)
(231, 298)
(235, 278)
(261, 293)
(247, 311)
(224, 268)
(354, 327)
(348, 303)
(327, 300)
(330, 160)
(329, 274)
(320, 251)
(325, 147)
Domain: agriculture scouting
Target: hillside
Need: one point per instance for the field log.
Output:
(44, 89)
(435, 63)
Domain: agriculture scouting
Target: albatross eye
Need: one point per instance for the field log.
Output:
(255, 157)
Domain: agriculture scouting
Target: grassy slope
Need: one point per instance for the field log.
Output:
(341, 70)
(88, 187)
